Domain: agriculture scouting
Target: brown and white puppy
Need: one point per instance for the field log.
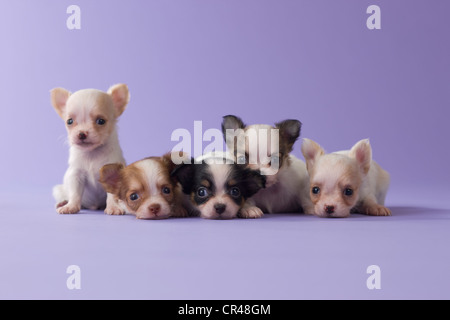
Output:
(146, 189)
(267, 148)
(90, 116)
(218, 188)
(346, 182)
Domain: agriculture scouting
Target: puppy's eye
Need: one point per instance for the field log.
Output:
(70, 121)
(315, 190)
(235, 192)
(134, 196)
(166, 190)
(348, 192)
(100, 121)
(202, 192)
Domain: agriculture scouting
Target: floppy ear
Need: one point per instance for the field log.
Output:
(59, 98)
(184, 174)
(362, 153)
(110, 177)
(289, 132)
(120, 96)
(252, 182)
(311, 151)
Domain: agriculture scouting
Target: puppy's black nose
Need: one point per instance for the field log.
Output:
(329, 209)
(82, 136)
(220, 208)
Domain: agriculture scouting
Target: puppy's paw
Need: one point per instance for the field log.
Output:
(114, 211)
(250, 213)
(68, 209)
(378, 210)
(61, 204)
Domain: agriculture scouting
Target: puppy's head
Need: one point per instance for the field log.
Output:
(219, 190)
(261, 147)
(90, 115)
(336, 178)
(144, 187)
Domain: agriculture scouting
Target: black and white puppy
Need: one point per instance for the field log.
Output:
(218, 188)
(287, 184)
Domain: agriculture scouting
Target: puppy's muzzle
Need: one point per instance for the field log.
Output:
(220, 208)
(329, 209)
(82, 136)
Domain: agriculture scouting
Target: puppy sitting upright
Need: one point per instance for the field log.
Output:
(90, 116)
(267, 148)
(146, 189)
(346, 181)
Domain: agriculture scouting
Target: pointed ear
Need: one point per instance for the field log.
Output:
(289, 133)
(120, 96)
(311, 151)
(231, 122)
(362, 153)
(253, 181)
(184, 174)
(110, 177)
(59, 97)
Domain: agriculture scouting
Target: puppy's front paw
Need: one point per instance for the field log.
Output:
(251, 213)
(61, 204)
(378, 210)
(68, 209)
(114, 211)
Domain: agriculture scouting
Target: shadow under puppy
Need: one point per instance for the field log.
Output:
(346, 182)
(90, 116)
(287, 181)
(218, 187)
(146, 189)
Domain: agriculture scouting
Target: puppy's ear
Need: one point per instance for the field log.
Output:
(231, 122)
(289, 133)
(110, 177)
(252, 182)
(362, 153)
(174, 159)
(120, 96)
(59, 98)
(311, 151)
(185, 173)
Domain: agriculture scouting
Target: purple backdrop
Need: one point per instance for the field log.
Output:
(263, 60)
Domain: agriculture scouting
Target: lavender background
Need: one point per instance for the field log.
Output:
(265, 61)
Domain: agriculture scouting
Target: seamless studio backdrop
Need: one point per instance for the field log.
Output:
(198, 60)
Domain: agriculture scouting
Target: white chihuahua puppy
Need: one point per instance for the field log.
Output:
(346, 182)
(287, 182)
(90, 116)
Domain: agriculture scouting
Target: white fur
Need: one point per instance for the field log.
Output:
(81, 187)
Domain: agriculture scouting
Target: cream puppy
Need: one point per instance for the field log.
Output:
(90, 116)
(268, 149)
(346, 182)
